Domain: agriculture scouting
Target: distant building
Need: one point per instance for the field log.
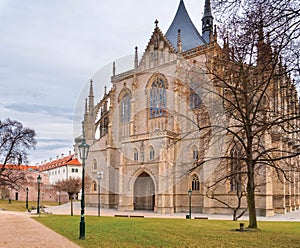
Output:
(62, 168)
(26, 181)
(51, 172)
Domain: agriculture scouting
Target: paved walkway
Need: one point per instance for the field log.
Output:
(19, 230)
(65, 209)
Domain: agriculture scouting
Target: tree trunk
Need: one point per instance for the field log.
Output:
(71, 205)
(234, 215)
(251, 198)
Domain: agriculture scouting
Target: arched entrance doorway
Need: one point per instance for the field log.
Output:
(144, 192)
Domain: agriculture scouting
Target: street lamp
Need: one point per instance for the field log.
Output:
(27, 190)
(9, 198)
(99, 176)
(83, 153)
(39, 179)
(190, 203)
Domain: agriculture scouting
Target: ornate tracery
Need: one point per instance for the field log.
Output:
(158, 98)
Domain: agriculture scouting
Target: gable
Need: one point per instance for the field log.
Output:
(157, 51)
(158, 42)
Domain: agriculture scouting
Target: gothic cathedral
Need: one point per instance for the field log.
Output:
(144, 133)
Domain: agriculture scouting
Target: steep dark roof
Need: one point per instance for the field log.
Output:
(190, 36)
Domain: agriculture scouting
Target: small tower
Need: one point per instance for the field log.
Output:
(207, 22)
(114, 69)
(264, 49)
(89, 116)
(136, 59)
(91, 97)
(85, 109)
(179, 42)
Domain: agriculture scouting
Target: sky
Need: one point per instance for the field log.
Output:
(49, 51)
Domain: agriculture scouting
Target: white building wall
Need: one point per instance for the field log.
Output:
(64, 172)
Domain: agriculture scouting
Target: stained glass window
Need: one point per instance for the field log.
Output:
(195, 153)
(195, 100)
(135, 155)
(236, 177)
(195, 183)
(158, 98)
(151, 154)
(125, 111)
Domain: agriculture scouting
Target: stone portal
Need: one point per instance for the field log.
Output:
(144, 193)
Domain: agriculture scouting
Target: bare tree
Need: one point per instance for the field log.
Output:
(71, 186)
(15, 142)
(252, 75)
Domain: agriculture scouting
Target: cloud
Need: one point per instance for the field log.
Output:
(50, 148)
(51, 145)
(41, 109)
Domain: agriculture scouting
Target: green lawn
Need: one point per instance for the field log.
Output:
(20, 206)
(148, 232)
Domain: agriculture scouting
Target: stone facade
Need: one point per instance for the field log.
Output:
(144, 133)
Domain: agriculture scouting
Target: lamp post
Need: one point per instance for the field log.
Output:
(27, 190)
(190, 203)
(99, 176)
(83, 153)
(9, 198)
(39, 179)
(59, 200)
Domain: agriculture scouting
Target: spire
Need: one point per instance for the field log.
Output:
(264, 49)
(179, 42)
(114, 69)
(85, 107)
(207, 21)
(215, 33)
(91, 97)
(226, 47)
(156, 23)
(136, 59)
(189, 35)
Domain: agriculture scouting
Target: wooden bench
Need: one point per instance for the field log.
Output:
(121, 215)
(136, 216)
(201, 218)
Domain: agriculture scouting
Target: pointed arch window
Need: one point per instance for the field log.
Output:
(125, 108)
(135, 155)
(94, 186)
(105, 126)
(235, 170)
(94, 164)
(195, 153)
(151, 153)
(195, 183)
(158, 98)
(195, 100)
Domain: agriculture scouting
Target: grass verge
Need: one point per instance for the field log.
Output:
(20, 206)
(148, 232)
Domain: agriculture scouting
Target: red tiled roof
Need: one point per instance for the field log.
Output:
(20, 167)
(68, 160)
